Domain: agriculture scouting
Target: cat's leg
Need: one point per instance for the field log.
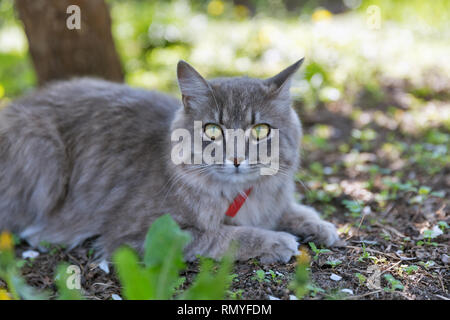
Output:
(269, 246)
(305, 222)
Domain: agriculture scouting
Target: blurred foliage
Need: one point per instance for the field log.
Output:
(301, 283)
(423, 14)
(16, 72)
(163, 260)
(17, 288)
(258, 38)
(158, 277)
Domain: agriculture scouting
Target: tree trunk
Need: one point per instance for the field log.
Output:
(61, 53)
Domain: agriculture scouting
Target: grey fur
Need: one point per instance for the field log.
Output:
(87, 157)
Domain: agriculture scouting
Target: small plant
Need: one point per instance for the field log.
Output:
(361, 279)
(316, 169)
(443, 225)
(45, 245)
(16, 285)
(274, 276)
(236, 294)
(314, 289)
(210, 284)
(300, 284)
(316, 250)
(90, 253)
(313, 142)
(354, 207)
(61, 280)
(428, 235)
(438, 194)
(328, 210)
(50, 248)
(427, 265)
(260, 275)
(158, 276)
(317, 196)
(393, 187)
(334, 263)
(410, 269)
(386, 236)
(255, 262)
(393, 283)
(365, 255)
(234, 277)
(335, 294)
(408, 186)
(424, 190)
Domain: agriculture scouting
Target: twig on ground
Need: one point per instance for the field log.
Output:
(392, 229)
(364, 295)
(374, 251)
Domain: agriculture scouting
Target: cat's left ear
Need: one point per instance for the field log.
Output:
(194, 88)
(281, 83)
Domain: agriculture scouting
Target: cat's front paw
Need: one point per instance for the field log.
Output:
(278, 247)
(319, 231)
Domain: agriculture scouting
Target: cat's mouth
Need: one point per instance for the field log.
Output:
(226, 173)
(238, 174)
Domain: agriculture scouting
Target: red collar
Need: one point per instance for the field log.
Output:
(237, 203)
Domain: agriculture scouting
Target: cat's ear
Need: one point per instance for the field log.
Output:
(281, 83)
(194, 88)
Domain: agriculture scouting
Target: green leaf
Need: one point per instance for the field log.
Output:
(313, 247)
(136, 281)
(443, 225)
(353, 206)
(61, 280)
(300, 284)
(163, 259)
(424, 190)
(209, 285)
(395, 284)
(164, 255)
(25, 291)
(260, 275)
(164, 239)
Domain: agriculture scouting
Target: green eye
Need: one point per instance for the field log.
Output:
(213, 131)
(260, 131)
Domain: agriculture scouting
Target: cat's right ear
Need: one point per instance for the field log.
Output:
(281, 83)
(194, 88)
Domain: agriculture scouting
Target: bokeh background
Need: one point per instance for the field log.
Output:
(374, 98)
(346, 49)
(375, 62)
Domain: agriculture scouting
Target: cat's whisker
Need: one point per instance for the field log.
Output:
(180, 175)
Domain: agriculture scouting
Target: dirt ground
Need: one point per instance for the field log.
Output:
(372, 173)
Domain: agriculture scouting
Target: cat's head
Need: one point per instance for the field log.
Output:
(220, 114)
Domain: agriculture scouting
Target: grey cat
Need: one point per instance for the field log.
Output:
(87, 157)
